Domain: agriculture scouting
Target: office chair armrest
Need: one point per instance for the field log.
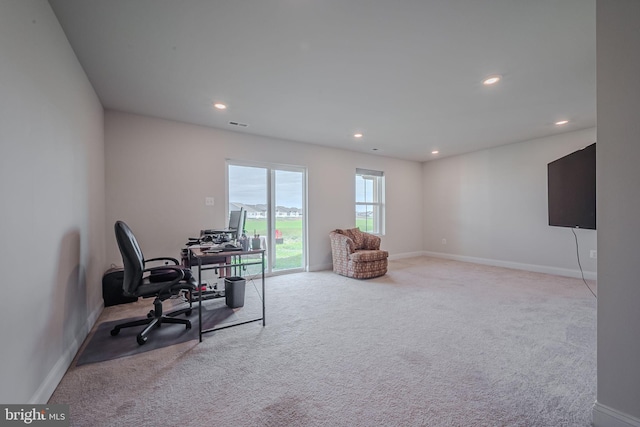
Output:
(175, 261)
(169, 285)
(178, 268)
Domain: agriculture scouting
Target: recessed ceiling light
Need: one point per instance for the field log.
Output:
(220, 106)
(491, 80)
(435, 152)
(562, 122)
(357, 135)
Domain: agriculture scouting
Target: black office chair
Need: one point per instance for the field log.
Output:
(162, 282)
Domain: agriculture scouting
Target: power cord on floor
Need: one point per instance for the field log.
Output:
(580, 265)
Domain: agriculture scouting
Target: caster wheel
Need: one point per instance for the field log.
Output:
(187, 313)
(141, 340)
(188, 325)
(115, 332)
(150, 314)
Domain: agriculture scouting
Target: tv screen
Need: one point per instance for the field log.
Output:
(571, 182)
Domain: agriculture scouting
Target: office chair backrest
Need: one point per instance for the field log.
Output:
(132, 258)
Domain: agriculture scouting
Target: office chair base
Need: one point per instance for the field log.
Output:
(154, 319)
(187, 312)
(156, 322)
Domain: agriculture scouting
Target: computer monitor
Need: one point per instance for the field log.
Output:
(235, 227)
(234, 219)
(236, 222)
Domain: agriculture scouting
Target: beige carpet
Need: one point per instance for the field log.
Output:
(433, 343)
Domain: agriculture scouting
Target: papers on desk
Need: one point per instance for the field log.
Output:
(211, 251)
(225, 247)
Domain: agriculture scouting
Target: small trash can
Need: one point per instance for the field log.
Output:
(234, 291)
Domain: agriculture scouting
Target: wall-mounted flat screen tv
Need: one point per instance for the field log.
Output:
(571, 182)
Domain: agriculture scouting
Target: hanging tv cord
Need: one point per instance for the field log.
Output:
(580, 265)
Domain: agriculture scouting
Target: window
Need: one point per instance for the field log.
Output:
(370, 201)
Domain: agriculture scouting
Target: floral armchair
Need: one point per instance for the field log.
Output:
(357, 254)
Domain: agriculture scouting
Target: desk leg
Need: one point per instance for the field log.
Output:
(264, 320)
(200, 299)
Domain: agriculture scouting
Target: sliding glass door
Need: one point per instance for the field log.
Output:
(274, 198)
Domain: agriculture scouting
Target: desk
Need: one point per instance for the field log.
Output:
(189, 260)
(231, 260)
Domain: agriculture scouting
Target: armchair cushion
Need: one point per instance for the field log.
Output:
(355, 235)
(365, 255)
(359, 239)
(371, 242)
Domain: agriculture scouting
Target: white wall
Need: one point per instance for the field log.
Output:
(618, 47)
(52, 192)
(491, 207)
(158, 173)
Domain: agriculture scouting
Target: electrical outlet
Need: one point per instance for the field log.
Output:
(209, 201)
(444, 241)
(593, 253)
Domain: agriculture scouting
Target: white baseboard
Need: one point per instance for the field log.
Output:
(50, 383)
(321, 267)
(516, 265)
(406, 255)
(329, 266)
(590, 275)
(604, 416)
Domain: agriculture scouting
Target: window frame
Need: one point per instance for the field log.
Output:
(377, 201)
(270, 170)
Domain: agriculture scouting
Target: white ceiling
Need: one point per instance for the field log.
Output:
(406, 73)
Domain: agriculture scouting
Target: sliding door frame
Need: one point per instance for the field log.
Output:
(271, 169)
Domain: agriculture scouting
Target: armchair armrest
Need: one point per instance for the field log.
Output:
(342, 243)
